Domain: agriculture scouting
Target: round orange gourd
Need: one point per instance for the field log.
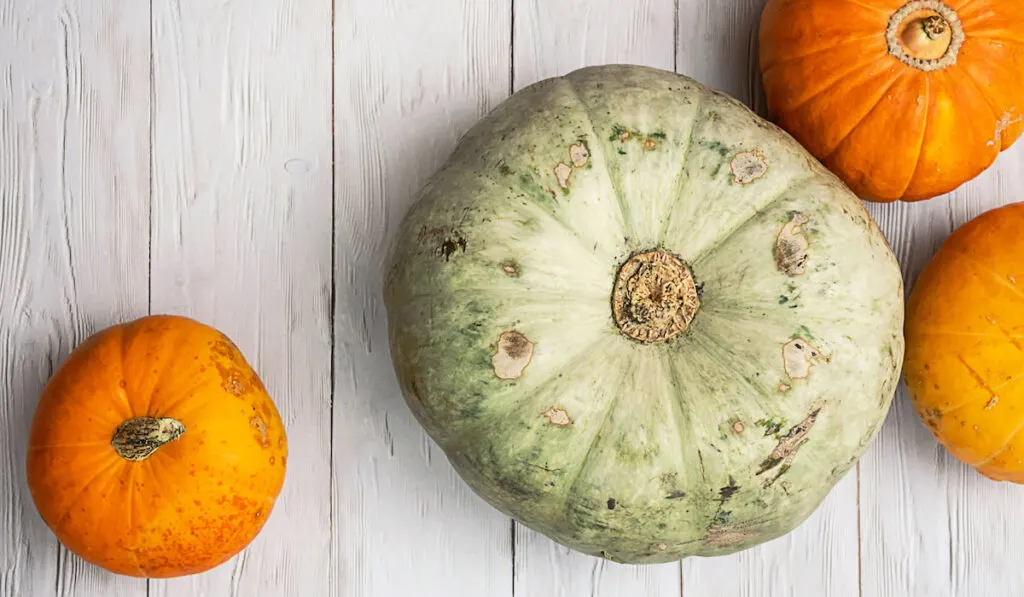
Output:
(155, 450)
(964, 363)
(902, 100)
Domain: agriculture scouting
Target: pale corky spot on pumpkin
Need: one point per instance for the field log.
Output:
(513, 355)
(798, 356)
(1005, 121)
(748, 166)
(562, 172)
(257, 423)
(579, 155)
(510, 268)
(557, 416)
(792, 246)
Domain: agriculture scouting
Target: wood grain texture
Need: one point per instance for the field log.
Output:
(411, 77)
(224, 126)
(549, 40)
(718, 47)
(931, 526)
(242, 241)
(74, 212)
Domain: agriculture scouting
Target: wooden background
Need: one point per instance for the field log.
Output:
(246, 161)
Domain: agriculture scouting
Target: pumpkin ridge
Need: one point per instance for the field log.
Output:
(85, 487)
(685, 423)
(789, 60)
(924, 135)
(967, 76)
(123, 344)
(1001, 450)
(867, 6)
(758, 210)
(825, 156)
(979, 266)
(613, 172)
(533, 392)
(571, 486)
(872, 62)
(131, 506)
(677, 184)
(168, 368)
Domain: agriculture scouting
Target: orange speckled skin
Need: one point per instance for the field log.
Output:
(194, 503)
(964, 362)
(889, 130)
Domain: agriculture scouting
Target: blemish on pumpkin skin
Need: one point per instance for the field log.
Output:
(557, 416)
(562, 173)
(579, 155)
(650, 145)
(785, 451)
(514, 353)
(784, 388)
(798, 356)
(791, 247)
(257, 423)
(450, 246)
(748, 166)
(738, 426)
(510, 268)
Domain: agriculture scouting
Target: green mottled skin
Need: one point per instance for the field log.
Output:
(673, 447)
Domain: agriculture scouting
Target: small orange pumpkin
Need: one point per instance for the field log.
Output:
(902, 100)
(155, 450)
(964, 363)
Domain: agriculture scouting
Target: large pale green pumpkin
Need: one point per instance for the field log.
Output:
(641, 320)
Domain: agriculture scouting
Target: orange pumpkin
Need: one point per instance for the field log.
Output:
(902, 100)
(155, 450)
(964, 363)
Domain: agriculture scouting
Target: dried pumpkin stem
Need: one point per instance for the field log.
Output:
(925, 34)
(655, 297)
(136, 439)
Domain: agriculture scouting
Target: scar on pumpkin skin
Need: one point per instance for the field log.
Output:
(786, 450)
(792, 246)
(579, 155)
(257, 423)
(798, 356)
(562, 172)
(510, 268)
(748, 166)
(557, 416)
(513, 355)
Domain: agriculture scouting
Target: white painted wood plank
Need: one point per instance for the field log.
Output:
(552, 39)
(411, 77)
(242, 240)
(931, 526)
(718, 46)
(74, 210)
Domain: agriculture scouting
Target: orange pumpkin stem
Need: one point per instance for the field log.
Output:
(925, 34)
(136, 439)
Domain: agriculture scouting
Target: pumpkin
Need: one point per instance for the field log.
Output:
(155, 450)
(903, 100)
(965, 344)
(640, 319)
